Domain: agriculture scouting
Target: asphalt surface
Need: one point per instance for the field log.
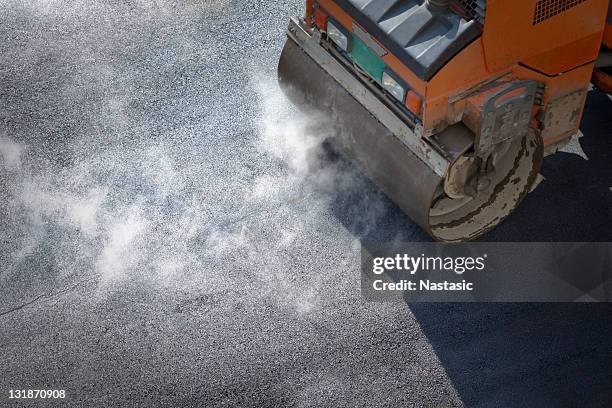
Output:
(170, 234)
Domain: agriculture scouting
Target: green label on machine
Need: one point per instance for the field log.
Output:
(366, 59)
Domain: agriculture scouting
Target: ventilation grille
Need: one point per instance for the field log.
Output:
(546, 9)
(473, 9)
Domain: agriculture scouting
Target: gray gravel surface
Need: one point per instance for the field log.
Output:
(171, 235)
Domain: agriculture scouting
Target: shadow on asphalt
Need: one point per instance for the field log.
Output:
(523, 355)
(516, 355)
(575, 202)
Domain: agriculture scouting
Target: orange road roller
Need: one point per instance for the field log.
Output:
(449, 106)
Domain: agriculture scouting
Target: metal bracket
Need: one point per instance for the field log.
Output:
(505, 115)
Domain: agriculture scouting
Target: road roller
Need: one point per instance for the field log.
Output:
(449, 106)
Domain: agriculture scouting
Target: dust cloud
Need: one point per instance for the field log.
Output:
(131, 171)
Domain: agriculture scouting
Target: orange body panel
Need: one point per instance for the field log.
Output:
(510, 34)
(566, 57)
(463, 72)
(519, 40)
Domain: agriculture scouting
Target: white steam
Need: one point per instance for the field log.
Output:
(10, 154)
(167, 213)
(119, 252)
